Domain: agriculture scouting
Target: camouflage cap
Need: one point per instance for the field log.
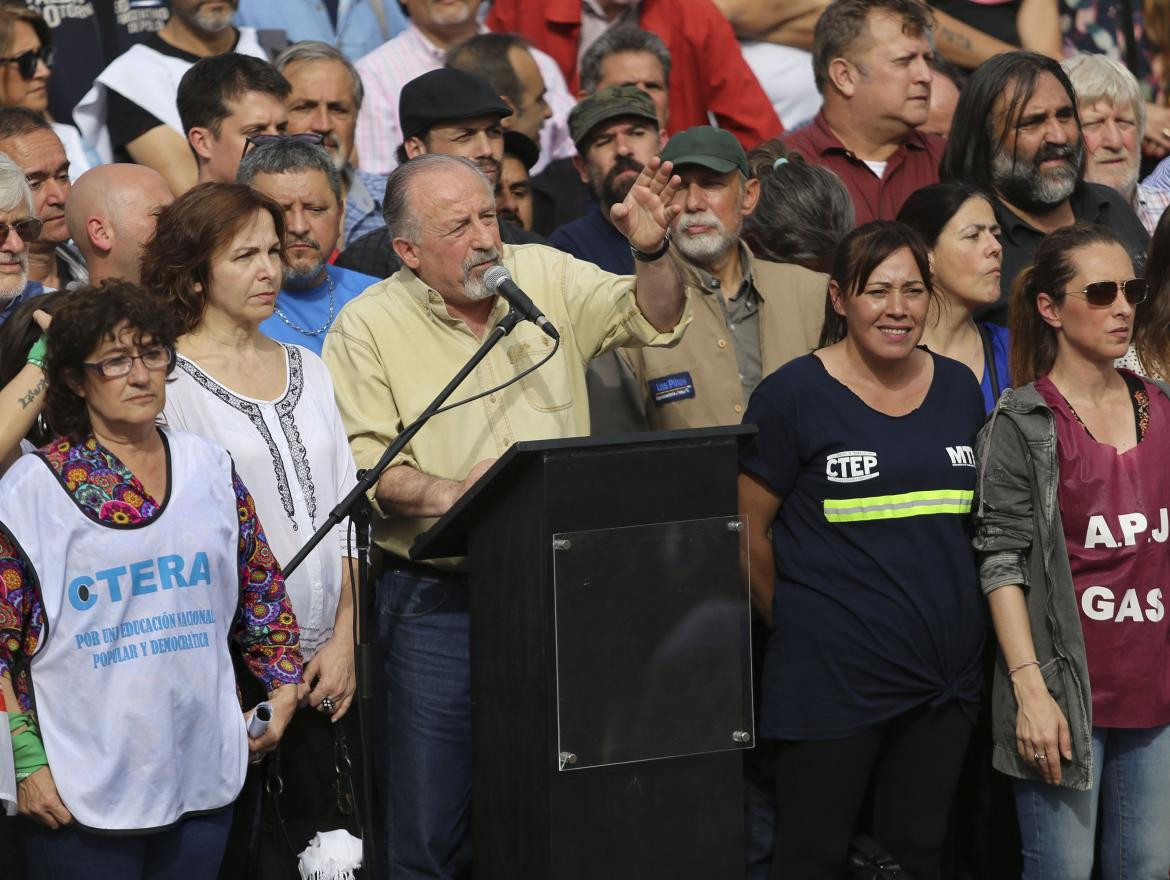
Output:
(612, 102)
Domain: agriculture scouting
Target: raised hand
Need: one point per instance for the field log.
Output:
(644, 217)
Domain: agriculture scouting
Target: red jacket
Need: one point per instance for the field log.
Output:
(707, 69)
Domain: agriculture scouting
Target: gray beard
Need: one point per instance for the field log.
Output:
(1026, 186)
(303, 279)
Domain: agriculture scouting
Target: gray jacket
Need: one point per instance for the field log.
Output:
(1020, 540)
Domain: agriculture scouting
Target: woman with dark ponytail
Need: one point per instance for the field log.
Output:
(1072, 534)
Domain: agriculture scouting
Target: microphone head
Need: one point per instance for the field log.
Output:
(494, 277)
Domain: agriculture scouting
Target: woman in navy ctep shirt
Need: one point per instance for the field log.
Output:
(863, 473)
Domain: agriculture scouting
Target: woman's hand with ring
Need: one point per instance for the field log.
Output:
(1042, 734)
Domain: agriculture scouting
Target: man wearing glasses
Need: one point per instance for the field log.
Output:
(18, 226)
(225, 100)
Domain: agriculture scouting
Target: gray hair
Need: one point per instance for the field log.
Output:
(397, 210)
(285, 155)
(315, 50)
(14, 189)
(1100, 78)
(804, 210)
(617, 40)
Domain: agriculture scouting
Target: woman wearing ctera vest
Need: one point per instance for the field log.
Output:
(129, 556)
(1071, 529)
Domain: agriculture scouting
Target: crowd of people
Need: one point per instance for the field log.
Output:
(922, 249)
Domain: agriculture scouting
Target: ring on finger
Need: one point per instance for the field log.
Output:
(1039, 756)
(327, 705)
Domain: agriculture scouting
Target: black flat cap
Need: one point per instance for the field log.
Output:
(446, 95)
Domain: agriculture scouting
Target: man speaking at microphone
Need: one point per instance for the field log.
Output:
(390, 351)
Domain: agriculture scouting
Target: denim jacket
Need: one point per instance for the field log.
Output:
(1020, 541)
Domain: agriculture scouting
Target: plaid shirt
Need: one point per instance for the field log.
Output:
(1149, 202)
(363, 204)
(410, 54)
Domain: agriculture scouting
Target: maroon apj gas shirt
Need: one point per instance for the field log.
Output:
(1114, 510)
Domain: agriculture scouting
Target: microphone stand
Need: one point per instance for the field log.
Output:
(356, 505)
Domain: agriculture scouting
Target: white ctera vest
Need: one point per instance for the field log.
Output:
(132, 682)
(149, 79)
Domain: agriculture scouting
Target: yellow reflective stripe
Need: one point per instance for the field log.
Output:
(898, 506)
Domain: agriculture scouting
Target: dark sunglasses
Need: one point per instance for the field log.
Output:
(26, 62)
(28, 229)
(1101, 294)
(260, 140)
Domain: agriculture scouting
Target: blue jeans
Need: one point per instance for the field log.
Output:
(189, 850)
(1131, 784)
(423, 763)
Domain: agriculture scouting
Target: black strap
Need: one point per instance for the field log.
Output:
(989, 361)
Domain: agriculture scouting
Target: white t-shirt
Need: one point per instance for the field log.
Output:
(293, 455)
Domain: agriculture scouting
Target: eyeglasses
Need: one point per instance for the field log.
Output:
(26, 62)
(159, 357)
(260, 140)
(1102, 294)
(29, 229)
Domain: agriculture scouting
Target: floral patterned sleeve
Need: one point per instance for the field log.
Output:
(22, 618)
(265, 626)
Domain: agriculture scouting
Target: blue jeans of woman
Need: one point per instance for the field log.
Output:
(1131, 791)
(189, 850)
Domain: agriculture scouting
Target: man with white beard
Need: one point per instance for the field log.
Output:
(1113, 123)
(751, 315)
(18, 226)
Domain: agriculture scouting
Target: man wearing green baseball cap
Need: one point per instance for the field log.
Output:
(751, 315)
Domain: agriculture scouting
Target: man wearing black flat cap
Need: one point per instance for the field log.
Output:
(454, 113)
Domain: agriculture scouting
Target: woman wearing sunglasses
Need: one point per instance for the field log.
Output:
(1072, 530)
(130, 556)
(26, 63)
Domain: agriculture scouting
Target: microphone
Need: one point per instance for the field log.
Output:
(498, 280)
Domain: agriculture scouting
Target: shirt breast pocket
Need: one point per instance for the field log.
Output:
(548, 388)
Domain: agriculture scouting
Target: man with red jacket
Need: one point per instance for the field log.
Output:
(708, 73)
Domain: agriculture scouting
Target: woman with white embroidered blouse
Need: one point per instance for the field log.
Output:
(217, 259)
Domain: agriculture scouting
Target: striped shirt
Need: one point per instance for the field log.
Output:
(410, 54)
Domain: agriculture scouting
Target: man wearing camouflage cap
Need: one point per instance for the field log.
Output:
(616, 133)
(750, 316)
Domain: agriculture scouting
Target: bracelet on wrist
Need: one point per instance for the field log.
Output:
(36, 354)
(651, 256)
(1013, 670)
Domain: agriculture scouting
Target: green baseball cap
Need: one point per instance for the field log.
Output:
(712, 148)
(605, 104)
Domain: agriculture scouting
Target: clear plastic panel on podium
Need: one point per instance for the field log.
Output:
(653, 642)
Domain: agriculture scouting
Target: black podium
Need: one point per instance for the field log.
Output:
(610, 657)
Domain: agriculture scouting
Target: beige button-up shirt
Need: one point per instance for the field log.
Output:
(393, 348)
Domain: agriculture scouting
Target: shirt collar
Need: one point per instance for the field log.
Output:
(1086, 204)
(710, 284)
(432, 301)
(825, 140)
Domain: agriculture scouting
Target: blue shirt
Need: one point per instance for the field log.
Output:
(595, 239)
(877, 606)
(1000, 356)
(357, 32)
(309, 309)
(31, 289)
